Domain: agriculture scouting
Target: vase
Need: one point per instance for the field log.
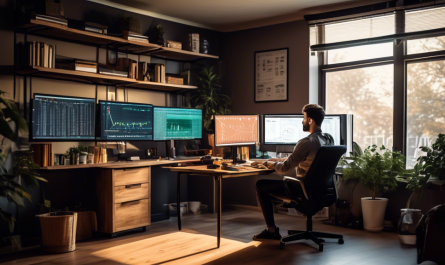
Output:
(373, 213)
(83, 159)
(406, 230)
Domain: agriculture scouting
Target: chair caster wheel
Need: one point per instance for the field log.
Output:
(341, 241)
(281, 245)
(320, 247)
(321, 240)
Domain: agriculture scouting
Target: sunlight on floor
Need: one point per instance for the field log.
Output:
(185, 247)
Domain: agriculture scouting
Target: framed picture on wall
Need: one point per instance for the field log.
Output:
(271, 75)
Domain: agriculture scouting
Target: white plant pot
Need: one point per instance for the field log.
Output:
(373, 213)
(83, 159)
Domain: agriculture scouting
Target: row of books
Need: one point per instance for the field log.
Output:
(43, 154)
(67, 63)
(34, 53)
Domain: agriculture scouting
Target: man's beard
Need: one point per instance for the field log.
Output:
(306, 127)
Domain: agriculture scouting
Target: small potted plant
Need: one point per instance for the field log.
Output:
(377, 169)
(83, 154)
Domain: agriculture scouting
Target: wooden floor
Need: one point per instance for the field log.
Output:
(162, 243)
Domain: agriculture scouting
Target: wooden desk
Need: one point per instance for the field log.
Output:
(218, 175)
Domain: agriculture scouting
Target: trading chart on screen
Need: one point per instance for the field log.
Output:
(236, 129)
(177, 123)
(126, 121)
(63, 118)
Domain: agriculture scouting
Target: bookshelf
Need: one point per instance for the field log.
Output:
(95, 78)
(60, 32)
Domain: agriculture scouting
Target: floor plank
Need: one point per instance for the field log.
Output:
(162, 243)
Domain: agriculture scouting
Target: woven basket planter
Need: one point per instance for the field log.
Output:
(86, 225)
(58, 231)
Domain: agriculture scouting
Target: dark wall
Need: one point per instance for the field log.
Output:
(238, 57)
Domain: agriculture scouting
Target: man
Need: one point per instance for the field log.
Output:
(301, 159)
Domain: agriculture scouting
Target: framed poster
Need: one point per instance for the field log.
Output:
(271, 75)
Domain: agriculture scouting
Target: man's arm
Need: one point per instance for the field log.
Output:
(300, 153)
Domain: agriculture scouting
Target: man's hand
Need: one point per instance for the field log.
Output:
(277, 159)
(269, 164)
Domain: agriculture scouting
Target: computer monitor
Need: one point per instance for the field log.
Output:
(236, 130)
(287, 129)
(124, 121)
(177, 123)
(61, 118)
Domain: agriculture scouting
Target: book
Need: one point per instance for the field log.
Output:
(128, 35)
(95, 27)
(186, 76)
(85, 69)
(142, 70)
(107, 71)
(59, 21)
(194, 42)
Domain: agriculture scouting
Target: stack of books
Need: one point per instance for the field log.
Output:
(128, 35)
(67, 63)
(97, 28)
(106, 71)
(35, 53)
(56, 20)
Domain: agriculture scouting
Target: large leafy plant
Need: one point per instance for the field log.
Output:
(377, 168)
(208, 96)
(430, 165)
(24, 166)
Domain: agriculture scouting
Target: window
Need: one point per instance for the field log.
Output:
(367, 93)
(425, 106)
(357, 53)
(426, 45)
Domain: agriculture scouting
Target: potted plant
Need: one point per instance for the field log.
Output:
(83, 154)
(208, 96)
(428, 167)
(377, 169)
(23, 167)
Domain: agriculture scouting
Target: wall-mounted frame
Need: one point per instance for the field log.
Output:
(271, 75)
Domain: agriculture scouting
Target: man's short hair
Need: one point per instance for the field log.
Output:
(315, 112)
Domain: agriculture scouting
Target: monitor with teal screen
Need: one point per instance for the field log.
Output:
(177, 123)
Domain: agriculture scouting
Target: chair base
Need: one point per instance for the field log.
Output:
(316, 237)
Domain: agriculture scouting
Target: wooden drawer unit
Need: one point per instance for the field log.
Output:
(131, 192)
(131, 176)
(123, 199)
(132, 214)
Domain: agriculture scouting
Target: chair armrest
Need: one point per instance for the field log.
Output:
(294, 180)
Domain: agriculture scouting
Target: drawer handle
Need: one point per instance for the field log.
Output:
(133, 186)
(131, 202)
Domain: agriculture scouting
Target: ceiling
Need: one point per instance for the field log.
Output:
(232, 15)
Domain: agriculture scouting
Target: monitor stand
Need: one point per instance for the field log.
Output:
(171, 153)
(235, 156)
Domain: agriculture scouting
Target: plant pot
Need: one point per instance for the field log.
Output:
(58, 231)
(373, 213)
(406, 230)
(83, 159)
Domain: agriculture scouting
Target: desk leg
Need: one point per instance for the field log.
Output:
(178, 199)
(218, 181)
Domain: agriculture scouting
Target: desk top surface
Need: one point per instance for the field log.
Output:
(204, 170)
(123, 164)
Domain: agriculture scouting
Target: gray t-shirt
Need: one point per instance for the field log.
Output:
(304, 154)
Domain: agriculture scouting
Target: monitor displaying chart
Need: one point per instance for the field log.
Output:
(236, 130)
(177, 123)
(121, 121)
(288, 128)
(57, 118)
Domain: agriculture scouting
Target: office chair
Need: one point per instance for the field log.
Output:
(320, 191)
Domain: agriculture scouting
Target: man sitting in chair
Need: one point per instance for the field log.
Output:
(301, 159)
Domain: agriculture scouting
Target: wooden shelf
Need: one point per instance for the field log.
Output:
(182, 55)
(56, 31)
(95, 78)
